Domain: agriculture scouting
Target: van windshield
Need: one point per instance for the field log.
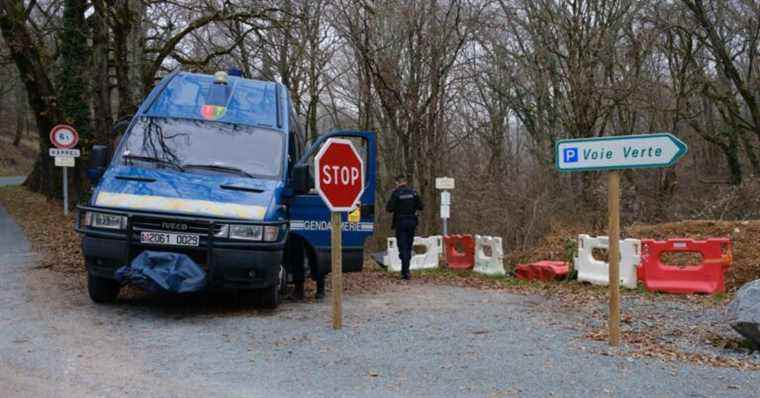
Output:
(222, 147)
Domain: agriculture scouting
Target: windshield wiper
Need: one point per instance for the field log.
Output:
(152, 160)
(219, 167)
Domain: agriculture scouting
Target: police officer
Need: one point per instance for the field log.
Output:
(404, 204)
(295, 258)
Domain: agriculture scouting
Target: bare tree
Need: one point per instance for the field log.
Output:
(21, 110)
(410, 51)
(30, 61)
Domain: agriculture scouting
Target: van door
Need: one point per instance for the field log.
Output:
(310, 217)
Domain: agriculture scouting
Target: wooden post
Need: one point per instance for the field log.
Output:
(613, 204)
(337, 271)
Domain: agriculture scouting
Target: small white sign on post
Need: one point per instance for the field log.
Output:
(445, 212)
(445, 184)
(65, 161)
(445, 198)
(445, 205)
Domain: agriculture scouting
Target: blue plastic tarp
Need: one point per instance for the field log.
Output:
(163, 272)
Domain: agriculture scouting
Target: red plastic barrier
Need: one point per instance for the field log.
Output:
(456, 259)
(706, 277)
(542, 270)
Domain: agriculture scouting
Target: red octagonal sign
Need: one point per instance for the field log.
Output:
(340, 174)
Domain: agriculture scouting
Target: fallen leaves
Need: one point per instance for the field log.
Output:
(646, 345)
(51, 233)
(654, 324)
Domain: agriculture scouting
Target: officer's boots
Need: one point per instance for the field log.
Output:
(298, 291)
(320, 289)
(405, 274)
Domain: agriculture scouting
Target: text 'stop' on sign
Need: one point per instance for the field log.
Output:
(339, 174)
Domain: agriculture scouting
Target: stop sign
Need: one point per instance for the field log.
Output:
(340, 174)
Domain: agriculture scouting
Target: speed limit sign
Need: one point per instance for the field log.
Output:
(64, 136)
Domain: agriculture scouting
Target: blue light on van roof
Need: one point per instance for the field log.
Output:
(244, 101)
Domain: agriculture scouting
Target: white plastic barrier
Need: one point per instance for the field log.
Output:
(428, 260)
(492, 264)
(391, 259)
(433, 251)
(597, 272)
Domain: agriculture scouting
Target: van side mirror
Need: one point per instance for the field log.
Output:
(301, 180)
(98, 163)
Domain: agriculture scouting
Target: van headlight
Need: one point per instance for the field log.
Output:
(260, 233)
(246, 232)
(96, 219)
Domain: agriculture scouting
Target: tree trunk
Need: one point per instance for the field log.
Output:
(732, 158)
(121, 24)
(74, 90)
(749, 150)
(129, 42)
(101, 90)
(41, 94)
(136, 53)
(20, 114)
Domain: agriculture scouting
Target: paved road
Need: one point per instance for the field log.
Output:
(6, 181)
(418, 340)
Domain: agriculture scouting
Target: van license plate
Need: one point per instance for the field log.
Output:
(163, 238)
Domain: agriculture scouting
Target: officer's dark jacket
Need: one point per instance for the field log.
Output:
(404, 202)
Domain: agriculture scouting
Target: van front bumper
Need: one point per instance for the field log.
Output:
(229, 264)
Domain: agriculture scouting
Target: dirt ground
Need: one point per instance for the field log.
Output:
(443, 334)
(679, 329)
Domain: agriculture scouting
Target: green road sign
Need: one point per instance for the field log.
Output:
(620, 152)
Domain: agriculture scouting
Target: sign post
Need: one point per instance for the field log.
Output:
(613, 208)
(340, 183)
(612, 154)
(445, 184)
(64, 138)
(336, 255)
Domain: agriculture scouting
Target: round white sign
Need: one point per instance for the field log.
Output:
(64, 136)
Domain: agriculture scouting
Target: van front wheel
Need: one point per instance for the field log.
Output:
(102, 290)
(270, 297)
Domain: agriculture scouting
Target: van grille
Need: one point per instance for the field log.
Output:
(171, 225)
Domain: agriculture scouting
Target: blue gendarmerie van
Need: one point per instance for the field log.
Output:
(217, 169)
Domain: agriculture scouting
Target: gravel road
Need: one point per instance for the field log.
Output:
(416, 340)
(7, 181)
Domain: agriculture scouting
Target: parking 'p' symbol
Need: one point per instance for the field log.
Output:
(570, 155)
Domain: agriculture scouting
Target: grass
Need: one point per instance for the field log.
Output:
(506, 281)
